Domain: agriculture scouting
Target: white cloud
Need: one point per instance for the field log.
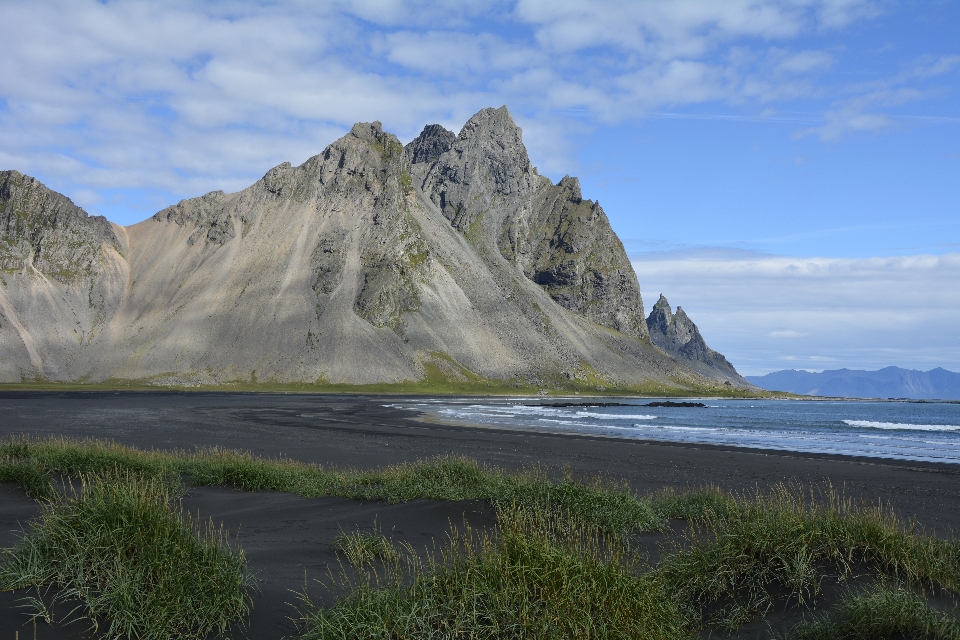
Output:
(862, 109)
(806, 61)
(786, 334)
(839, 13)
(657, 27)
(677, 82)
(181, 97)
(929, 67)
(453, 53)
(772, 312)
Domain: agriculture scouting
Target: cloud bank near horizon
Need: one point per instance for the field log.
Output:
(767, 313)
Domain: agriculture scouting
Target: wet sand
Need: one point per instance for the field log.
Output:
(285, 535)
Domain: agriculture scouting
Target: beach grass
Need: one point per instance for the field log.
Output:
(566, 558)
(542, 575)
(362, 548)
(609, 505)
(118, 553)
(31, 475)
(743, 555)
(884, 610)
(546, 574)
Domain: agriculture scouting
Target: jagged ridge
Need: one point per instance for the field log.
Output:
(677, 335)
(370, 262)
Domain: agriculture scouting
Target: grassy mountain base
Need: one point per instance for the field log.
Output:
(436, 382)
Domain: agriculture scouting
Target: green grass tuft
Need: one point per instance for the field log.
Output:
(883, 611)
(559, 564)
(138, 566)
(362, 548)
(30, 474)
(744, 550)
(612, 507)
(542, 575)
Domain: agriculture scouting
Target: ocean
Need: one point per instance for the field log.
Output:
(901, 430)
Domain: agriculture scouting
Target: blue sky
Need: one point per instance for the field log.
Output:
(789, 172)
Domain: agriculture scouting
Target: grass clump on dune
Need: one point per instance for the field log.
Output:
(31, 475)
(746, 554)
(543, 574)
(546, 574)
(610, 506)
(139, 567)
(881, 611)
(363, 548)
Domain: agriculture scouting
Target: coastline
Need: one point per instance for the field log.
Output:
(357, 431)
(917, 465)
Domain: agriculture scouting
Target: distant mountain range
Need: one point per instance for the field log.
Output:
(890, 382)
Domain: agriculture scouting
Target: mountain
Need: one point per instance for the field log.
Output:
(890, 382)
(448, 259)
(676, 334)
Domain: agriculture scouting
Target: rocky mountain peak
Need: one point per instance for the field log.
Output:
(672, 331)
(46, 230)
(206, 213)
(432, 142)
(370, 262)
(494, 131)
(661, 317)
(378, 151)
(486, 169)
(676, 334)
(368, 131)
(28, 198)
(572, 185)
(686, 332)
(486, 187)
(387, 149)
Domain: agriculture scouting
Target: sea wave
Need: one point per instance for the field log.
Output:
(560, 421)
(614, 416)
(520, 411)
(870, 424)
(879, 431)
(671, 427)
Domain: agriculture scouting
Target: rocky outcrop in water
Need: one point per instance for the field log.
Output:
(450, 258)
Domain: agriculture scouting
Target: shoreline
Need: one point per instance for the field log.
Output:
(419, 416)
(12, 389)
(917, 465)
(359, 431)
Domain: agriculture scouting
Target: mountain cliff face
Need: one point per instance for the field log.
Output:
(62, 274)
(369, 263)
(483, 183)
(678, 336)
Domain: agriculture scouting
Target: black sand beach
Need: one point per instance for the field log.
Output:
(287, 537)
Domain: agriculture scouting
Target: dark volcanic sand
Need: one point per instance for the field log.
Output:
(285, 535)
